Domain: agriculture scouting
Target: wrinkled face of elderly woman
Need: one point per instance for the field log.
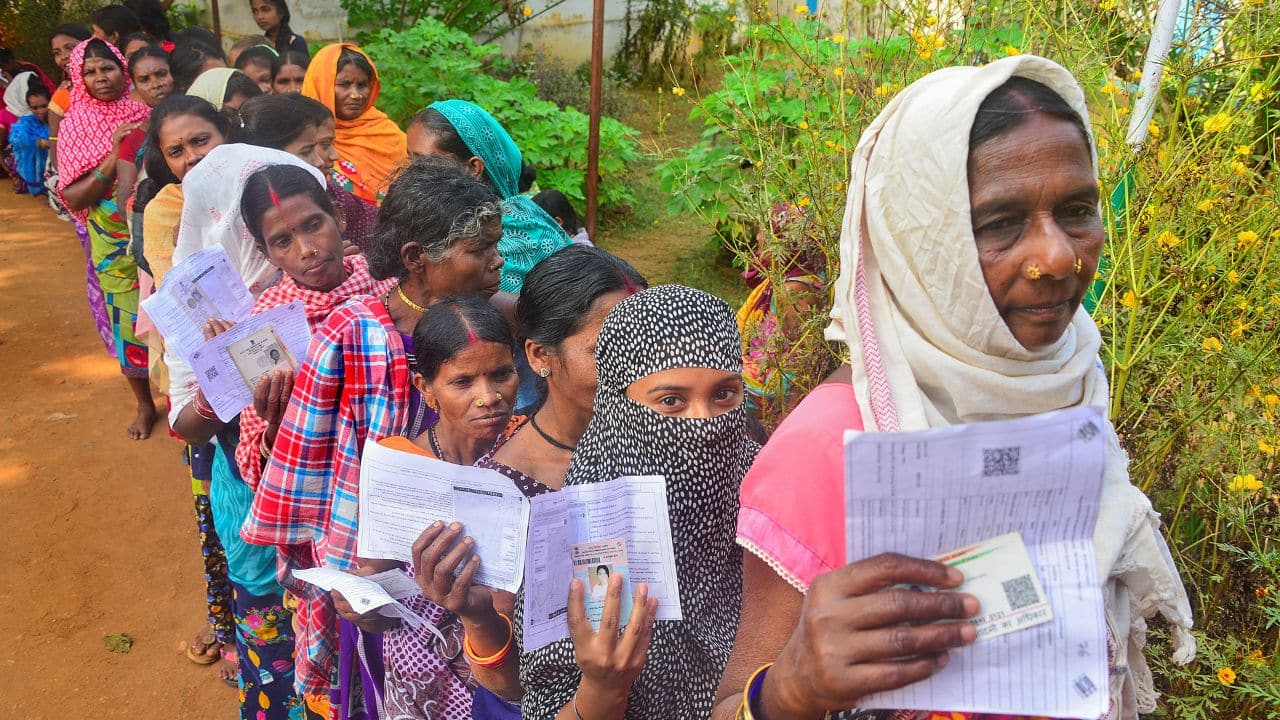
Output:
(1033, 198)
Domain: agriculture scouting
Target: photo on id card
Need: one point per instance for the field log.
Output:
(594, 563)
(257, 355)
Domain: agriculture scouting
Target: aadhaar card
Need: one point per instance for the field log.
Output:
(1000, 574)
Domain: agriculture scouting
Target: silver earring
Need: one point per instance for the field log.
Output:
(544, 372)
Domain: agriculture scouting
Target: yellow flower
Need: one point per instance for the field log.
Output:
(1226, 676)
(882, 90)
(1244, 150)
(1011, 50)
(1246, 238)
(1129, 300)
(1205, 206)
(1257, 91)
(802, 9)
(1238, 327)
(1168, 240)
(931, 21)
(1107, 5)
(1246, 483)
(1217, 123)
(1110, 88)
(677, 91)
(1239, 168)
(1152, 129)
(848, 91)
(837, 38)
(1123, 111)
(1266, 447)
(1256, 658)
(803, 202)
(1233, 276)
(1211, 345)
(526, 11)
(1135, 76)
(838, 72)
(803, 125)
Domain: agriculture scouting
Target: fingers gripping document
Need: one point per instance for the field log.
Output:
(970, 495)
(402, 493)
(231, 365)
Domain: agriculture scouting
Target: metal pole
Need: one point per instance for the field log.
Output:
(1152, 71)
(593, 136)
(217, 22)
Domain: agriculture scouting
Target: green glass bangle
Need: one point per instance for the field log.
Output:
(101, 176)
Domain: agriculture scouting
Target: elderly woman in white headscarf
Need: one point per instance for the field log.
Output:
(972, 231)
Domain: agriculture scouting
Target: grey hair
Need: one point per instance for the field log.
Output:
(434, 202)
(468, 226)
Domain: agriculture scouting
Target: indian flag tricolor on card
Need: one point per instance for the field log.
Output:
(999, 572)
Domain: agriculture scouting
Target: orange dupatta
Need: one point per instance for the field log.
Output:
(371, 142)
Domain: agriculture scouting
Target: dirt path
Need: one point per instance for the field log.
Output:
(97, 534)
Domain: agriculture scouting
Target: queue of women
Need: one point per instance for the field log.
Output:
(454, 318)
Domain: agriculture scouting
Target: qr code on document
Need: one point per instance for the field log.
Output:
(1084, 686)
(1000, 462)
(1021, 592)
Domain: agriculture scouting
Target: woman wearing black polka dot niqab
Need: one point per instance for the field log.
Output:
(704, 461)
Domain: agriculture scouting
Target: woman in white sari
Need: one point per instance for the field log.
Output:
(972, 231)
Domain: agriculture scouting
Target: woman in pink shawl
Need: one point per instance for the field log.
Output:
(971, 234)
(97, 148)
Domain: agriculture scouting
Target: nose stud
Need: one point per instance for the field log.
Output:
(1033, 272)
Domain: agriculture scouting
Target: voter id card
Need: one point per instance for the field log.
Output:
(1000, 574)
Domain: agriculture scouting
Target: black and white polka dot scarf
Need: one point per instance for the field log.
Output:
(704, 461)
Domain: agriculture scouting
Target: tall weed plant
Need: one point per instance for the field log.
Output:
(1189, 297)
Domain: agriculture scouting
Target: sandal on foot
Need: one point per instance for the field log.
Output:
(204, 649)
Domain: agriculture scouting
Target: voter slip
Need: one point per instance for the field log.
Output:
(1000, 574)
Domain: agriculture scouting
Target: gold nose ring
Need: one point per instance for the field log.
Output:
(1079, 265)
(1033, 272)
(479, 402)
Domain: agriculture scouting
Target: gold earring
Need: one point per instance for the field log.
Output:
(498, 395)
(1033, 272)
(544, 372)
(1079, 265)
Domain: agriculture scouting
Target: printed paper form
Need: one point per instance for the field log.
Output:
(402, 493)
(365, 594)
(205, 285)
(633, 508)
(219, 365)
(923, 493)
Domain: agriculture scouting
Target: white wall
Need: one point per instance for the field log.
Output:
(564, 31)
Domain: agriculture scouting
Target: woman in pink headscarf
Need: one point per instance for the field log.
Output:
(97, 148)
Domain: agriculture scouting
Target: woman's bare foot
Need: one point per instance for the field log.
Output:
(143, 422)
(147, 415)
(229, 667)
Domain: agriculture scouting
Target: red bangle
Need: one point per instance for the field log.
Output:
(203, 408)
(495, 659)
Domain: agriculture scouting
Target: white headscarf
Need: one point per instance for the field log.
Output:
(211, 216)
(15, 95)
(929, 348)
(211, 209)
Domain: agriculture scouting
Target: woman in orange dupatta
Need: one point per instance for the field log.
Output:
(370, 145)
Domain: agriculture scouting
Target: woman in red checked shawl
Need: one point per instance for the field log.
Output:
(98, 146)
(438, 230)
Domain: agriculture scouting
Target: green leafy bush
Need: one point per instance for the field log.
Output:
(430, 62)
(1190, 308)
